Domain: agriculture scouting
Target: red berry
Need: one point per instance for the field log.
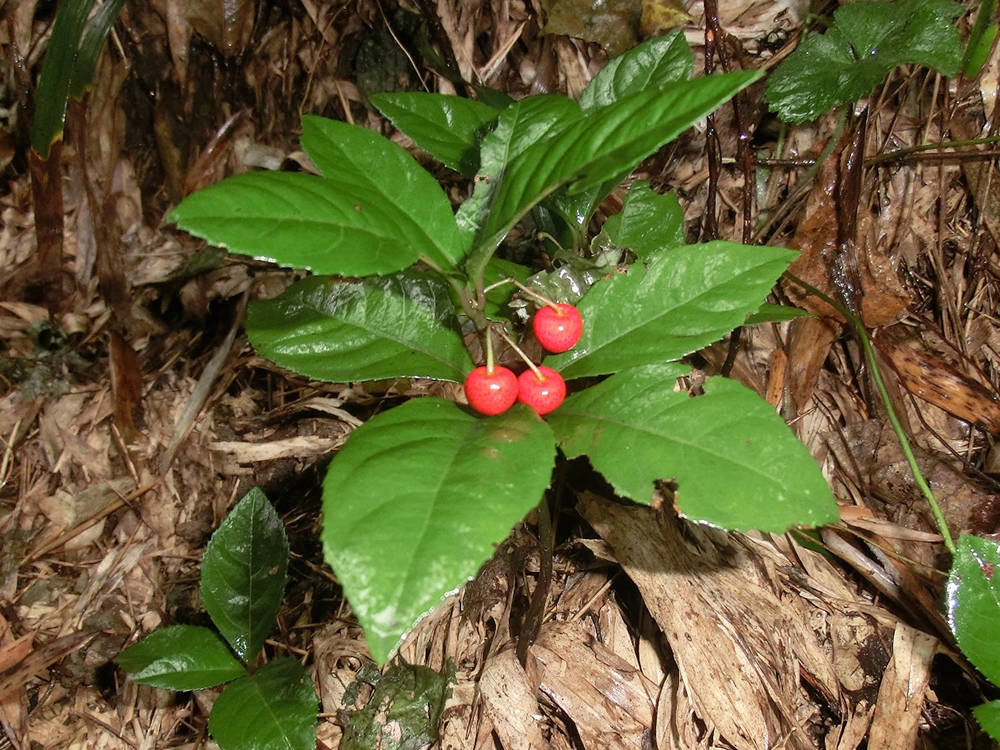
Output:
(491, 393)
(543, 395)
(558, 328)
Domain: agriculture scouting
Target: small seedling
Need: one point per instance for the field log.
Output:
(242, 581)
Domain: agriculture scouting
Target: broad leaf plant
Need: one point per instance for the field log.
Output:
(405, 286)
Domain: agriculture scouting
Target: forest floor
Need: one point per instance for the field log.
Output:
(134, 412)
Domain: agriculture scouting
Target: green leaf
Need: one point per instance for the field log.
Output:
(981, 39)
(974, 603)
(305, 221)
(91, 45)
(988, 716)
(273, 709)
(364, 163)
(570, 281)
(401, 325)
(517, 128)
(768, 313)
(592, 150)
(181, 657)
(449, 128)
(736, 463)
(866, 41)
(648, 221)
(674, 303)
(416, 500)
(243, 573)
(497, 270)
(56, 77)
(656, 63)
(404, 711)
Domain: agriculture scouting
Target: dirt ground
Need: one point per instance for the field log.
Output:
(133, 411)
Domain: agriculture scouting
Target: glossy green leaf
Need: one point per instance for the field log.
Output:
(305, 221)
(648, 221)
(181, 657)
(56, 77)
(517, 128)
(673, 303)
(401, 325)
(416, 500)
(866, 41)
(273, 709)
(449, 128)
(95, 33)
(363, 163)
(592, 150)
(243, 573)
(988, 716)
(497, 270)
(974, 603)
(768, 313)
(736, 463)
(654, 64)
(570, 281)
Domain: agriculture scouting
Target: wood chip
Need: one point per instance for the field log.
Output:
(609, 701)
(901, 695)
(39, 659)
(511, 703)
(737, 646)
(294, 447)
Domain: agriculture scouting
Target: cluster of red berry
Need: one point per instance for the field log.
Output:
(494, 389)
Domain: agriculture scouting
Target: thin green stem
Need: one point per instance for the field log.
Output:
(535, 295)
(527, 290)
(805, 183)
(489, 351)
(883, 393)
(904, 443)
(521, 354)
(469, 306)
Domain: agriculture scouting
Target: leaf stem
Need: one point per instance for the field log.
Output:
(461, 290)
(527, 290)
(521, 354)
(883, 392)
(489, 351)
(803, 185)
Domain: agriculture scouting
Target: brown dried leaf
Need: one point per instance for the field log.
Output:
(126, 386)
(938, 383)
(39, 659)
(225, 24)
(883, 298)
(901, 696)
(511, 703)
(720, 622)
(809, 343)
(609, 701)
(611, 24)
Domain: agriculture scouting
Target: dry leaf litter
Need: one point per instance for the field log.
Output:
(656, 633)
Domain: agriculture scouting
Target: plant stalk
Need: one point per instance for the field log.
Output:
(883, 392)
